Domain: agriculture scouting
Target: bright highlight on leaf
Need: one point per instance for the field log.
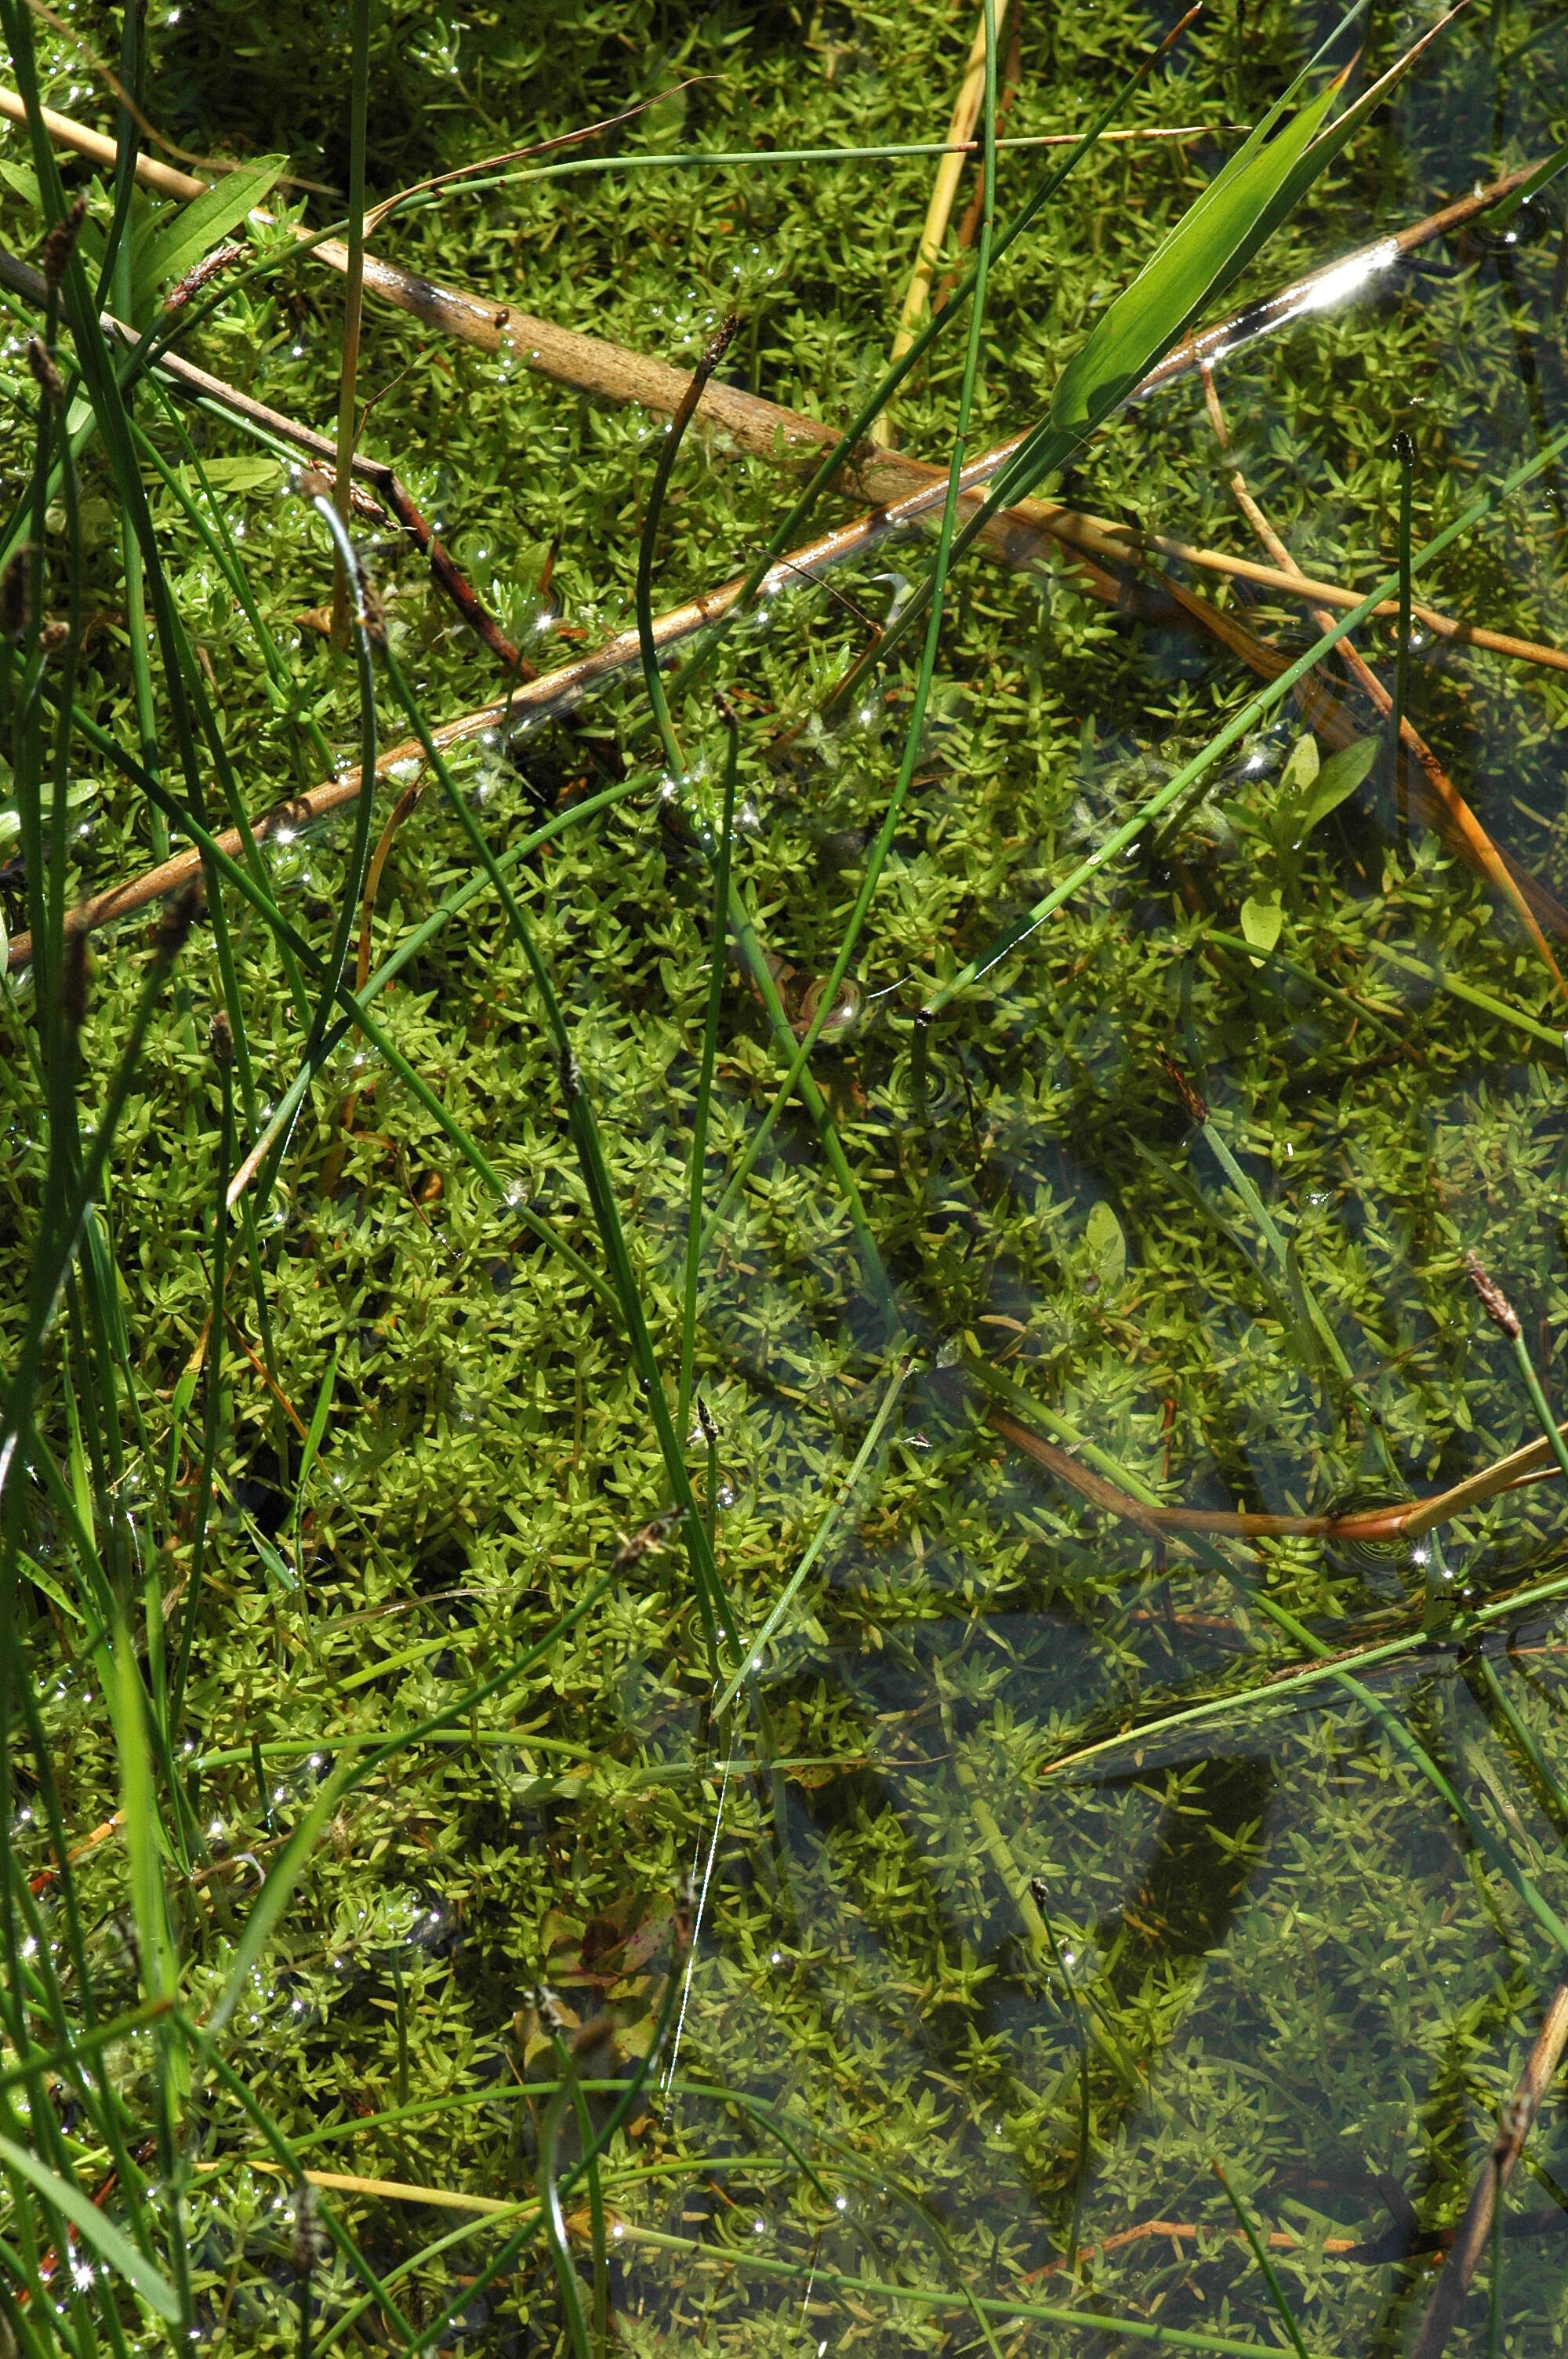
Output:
(113, 2247)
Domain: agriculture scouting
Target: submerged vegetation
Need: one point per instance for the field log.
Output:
(780, 1523)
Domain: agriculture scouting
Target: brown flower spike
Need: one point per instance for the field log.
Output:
(60, 243)
(14, 595)
(45, 374)
(173, 926)
(1190, 1096)
(1494, 1302)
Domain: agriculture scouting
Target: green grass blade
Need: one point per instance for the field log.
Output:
(143, 1842)
(1149, 316)
(1261, 2255)
(705, 1074)
(114, 2249)
(318, 1426)
(821, 1538)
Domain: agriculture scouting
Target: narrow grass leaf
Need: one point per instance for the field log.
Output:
(1261, 2255)
(1199, 255)
(171, 248)
(319, 1417)
(148, 1904)
(113, 2248)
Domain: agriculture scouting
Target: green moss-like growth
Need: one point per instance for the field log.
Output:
(1009, 1895)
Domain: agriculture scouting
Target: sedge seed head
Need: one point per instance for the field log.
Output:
(177, 921)
(60, 242)
(1190, 1096)
(45, 376)
(374, 612)
(14, 596)
(1493, 1300)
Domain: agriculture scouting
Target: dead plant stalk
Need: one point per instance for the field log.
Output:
(1485, 853)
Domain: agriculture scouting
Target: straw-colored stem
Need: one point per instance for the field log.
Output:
(1484, 852)
(939, 212)
(592, 366)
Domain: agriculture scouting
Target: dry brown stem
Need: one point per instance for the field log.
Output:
(592, 365)
(1012, 536)
(1104, 557)
(556, 692)
(1446, 808)
(1514, 2127)
(1401, 1519)
(763, 428)
(200, 384)
(1132, 543)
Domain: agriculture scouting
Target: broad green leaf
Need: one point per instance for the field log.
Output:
(1261, 919)
(257, 474)
(175, 246)
(1203, 254)
(1147, 317)
(1339, 776)
(113, 2248)
(79, 793)
(1107, 1245)
(1302, 762)
(25, 181)
(1297, 181)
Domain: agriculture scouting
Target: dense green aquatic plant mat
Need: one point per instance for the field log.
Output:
(1007, 1894)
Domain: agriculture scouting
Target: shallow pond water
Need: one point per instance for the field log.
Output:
(1051, 1854)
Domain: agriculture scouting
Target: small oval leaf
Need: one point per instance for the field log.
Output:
(1335, 781)
(1261, 921)
(1106, 1244)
